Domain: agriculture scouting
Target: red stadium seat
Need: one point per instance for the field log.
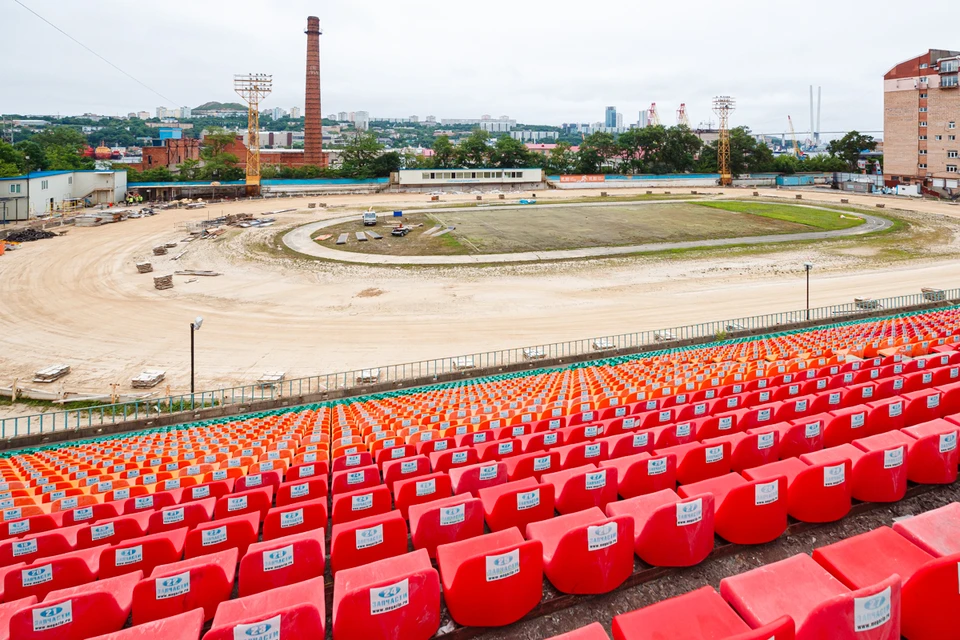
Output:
(746, 511)
(668, 531)
(420, 489)
(292, 611)
(585, 552)
(750, 449)
(361, 504)
(213, 489)
(367, 540)
(89, 513)
(114, 530)
(491, 580)
(404, 469)
(150, 502)
(820, 606)
(930, 596)
(396, 598)
(360, 459)
(16, 525)
(532, 465)
(256, 501)
(171, 589)
(643, 473)
(443, 461)
(590, 632)
(78, 612)
(307, 470)
(261, 480)
(355, 479)
(50, 574)
(885, 415)
(815, 492)
(282, 561)
(189, 515)
(628, 444)
(517, 504)
(143, 554)
(471, 479)
(932, 452)
(937, 531)
(31, 547)
(296, 518)
(186, 626)
(301, 490)
(238, 532)
(444, 521)
(697, 615)
(583, 487)
(698, 461)
(847, 425)
(879, 475)
(922, 406)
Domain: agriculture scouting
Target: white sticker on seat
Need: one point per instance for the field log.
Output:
(278, 558)
(766, 493)
(528, 499)
(689, 512)
(948, 442)
(601, 536)
(714, 454)
(173, 586)
(265, 630)
(131, 555)
(893, 458)
(656, 466)
(872, 611)
(361, 503)
(488, 472)
(53, 616)
(596, 479)
(390, 597)
(452, 515)
(832, 476)
(503, 565)
(291, 519)
(209, 537)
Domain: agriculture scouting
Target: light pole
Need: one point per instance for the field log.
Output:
(194, 327)
(808, 266)
(27, 158)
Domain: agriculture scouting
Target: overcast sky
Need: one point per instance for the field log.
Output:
(536, 61)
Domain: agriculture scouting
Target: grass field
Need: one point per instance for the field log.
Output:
(515, 229)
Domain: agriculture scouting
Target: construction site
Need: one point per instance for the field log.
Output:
(481, 403)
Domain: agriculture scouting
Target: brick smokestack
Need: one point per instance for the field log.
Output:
(313, 121)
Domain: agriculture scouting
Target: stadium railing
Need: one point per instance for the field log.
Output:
(478, 363)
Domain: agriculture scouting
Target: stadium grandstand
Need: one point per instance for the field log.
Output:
(437, 511)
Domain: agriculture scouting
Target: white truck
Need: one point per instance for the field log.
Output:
(370, 218)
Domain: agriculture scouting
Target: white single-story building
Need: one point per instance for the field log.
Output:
(487, 177)
(45, 192)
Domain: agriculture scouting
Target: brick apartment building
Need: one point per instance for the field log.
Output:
(921, 112)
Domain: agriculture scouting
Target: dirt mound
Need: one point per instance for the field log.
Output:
(29, 235)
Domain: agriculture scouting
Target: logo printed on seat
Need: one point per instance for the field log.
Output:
(832, 476)
(893, 458)
(528, 499)
(766, 493)
(488, 472)
(503, 565)
(173, 516)
(173, 586)
(601, 536)
(264, 630)
(725, 423)
(53, 617)
(684, 430)
(542, 463)
(361, 503)
(714, 454)
(591, 450)
(426, 487)
(278, 558)
(99, 532)
(366, 538)
(656, 466)
(872, 611)
(948, 441)
(291, 519)
(200, 492)
(24, 548)
(596, 479)
(236, 504)
(210, 537)
(452, 515)
(390, 598)
(131, 555)
(765, 440)
(689, 512)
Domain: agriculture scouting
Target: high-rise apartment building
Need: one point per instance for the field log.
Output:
(611, 117)
(921, 112)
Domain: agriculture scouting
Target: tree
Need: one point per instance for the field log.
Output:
(747, 155)
(359, 155)
(12, 162)
(443, 152)
(849, 147)
(788, 163)
(385, 164)
(189, 170)
(679, 151)
(561, 160)
(630, 147)
(474, 151)
(218, 165)
(596, 149)
(38, 159)
(63, 149)
(509, 153)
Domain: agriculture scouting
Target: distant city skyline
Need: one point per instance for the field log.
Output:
(629, 55)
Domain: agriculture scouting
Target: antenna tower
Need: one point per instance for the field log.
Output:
(253, 87)
(723, 106)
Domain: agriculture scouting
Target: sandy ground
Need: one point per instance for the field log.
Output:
(79, 300)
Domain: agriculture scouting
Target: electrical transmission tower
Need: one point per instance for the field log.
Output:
(253, 87)
(723, 106)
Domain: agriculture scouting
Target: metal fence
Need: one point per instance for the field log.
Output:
(356, 380)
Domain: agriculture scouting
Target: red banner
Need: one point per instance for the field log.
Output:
(585, 178)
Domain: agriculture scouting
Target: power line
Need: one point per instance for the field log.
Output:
(144, 85)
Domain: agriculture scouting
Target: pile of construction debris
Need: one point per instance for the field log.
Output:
(29, 235)
(160, 250)
(144, 267)
(163, 282)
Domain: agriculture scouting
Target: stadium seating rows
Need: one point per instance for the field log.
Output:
(643, 456)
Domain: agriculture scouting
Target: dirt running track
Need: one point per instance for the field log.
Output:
(79, 300)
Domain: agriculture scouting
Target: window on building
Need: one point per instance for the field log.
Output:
(14, 188)
(923, 137)
(923, 79)
(948, 66)
(923, 152)
(923, 65)
(69, 179)
(951, 138)
(938, 137)
(922, 165)
(951, 125)
(952, 154)
(923, 95)
(923, 109)
(923, 123)
(44, 184)
(951, 168)
(947, 82)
